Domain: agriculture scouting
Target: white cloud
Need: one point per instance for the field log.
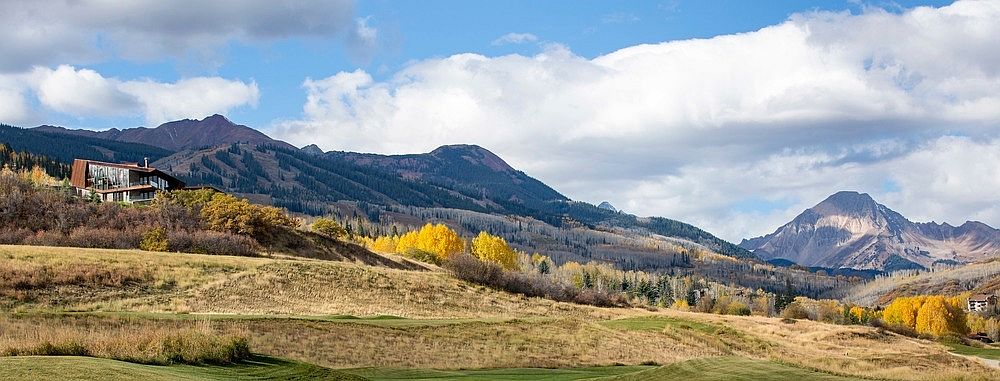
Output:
(515, 38)
(80, 92)
(363, 39)
(80, 31)
(85, 93)
(13, 107)
(191, 98)
(697, 129)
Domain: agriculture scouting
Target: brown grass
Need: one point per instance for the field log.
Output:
(853, 350)
(131, 340)
(221, 284)
(499, 329)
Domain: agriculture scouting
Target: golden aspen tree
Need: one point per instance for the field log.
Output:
(385, 244)
(407, 243)
(934, 317)
(440, 240)
(903, 311)
(494, 249)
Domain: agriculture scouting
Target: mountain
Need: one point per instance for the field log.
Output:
(465, 177)
(238, 159)
(850, 229)
(607, 206)
(312, 149)
(64, 148)
(470, 170)
(178, 135)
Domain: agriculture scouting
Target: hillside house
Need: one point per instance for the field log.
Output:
(120, 182)
(982, 302)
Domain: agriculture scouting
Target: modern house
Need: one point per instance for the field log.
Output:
(120, 182)
(982, 302)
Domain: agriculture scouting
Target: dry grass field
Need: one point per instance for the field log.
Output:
(300, 309)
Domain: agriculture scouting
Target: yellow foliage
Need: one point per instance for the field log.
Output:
(385, 244)
(329, 228)
(933, 315)
(903, 311)
(237, 215)
(407, 243)
(494, 249)
(681, 304)
(436, 239)
(858, 314)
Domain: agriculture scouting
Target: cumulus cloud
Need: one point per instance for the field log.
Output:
(190, 98)
(55, 32)
(515, 38)
(86, 93)
(708, 130)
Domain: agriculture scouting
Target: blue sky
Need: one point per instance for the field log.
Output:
(411, 30)
(732, 115)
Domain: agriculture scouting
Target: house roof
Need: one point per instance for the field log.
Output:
(78, 176)
(981, 297)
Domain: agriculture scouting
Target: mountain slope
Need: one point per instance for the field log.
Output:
(463, 177)
(64, 148)
(850, 229)
(178, 135)
(468, 169)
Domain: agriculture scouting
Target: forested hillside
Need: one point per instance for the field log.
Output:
(23, 161)
(456, 177)
(64, 148)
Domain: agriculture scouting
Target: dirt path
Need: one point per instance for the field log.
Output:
(995, 364)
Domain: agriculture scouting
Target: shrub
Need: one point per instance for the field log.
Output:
(124, 340)
(794, 310)
(738, 308)
(211, 242)
(329, 228)
(155, 240)
(468, 268)
(227, 213)
(423, 256)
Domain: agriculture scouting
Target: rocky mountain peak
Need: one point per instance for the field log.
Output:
(607, 206)
(473, 154)
(850, 229)
(312, 149)
(847, 203)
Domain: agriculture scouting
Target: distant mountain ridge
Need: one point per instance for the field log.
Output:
(850, 229)
(241, 160)
(178, 135)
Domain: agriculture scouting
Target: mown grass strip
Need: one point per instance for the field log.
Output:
(509, 374)
(730, 369)
(259, 368)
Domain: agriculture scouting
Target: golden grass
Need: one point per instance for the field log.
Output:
(851, 350)
(499, 329)
(132, 340)
(220, 284)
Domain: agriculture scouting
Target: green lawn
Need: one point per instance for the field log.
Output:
(268, 368)
(659, 323)
(89, 368)
(730, 369)
(603, 373)
(986, 353)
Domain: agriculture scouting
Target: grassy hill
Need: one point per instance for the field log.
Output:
(415, 323)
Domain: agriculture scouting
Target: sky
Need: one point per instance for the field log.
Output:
(731, 115)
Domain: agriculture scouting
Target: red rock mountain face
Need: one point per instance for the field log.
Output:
(850, 229)
(179, 135)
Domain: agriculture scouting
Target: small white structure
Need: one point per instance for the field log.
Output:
(982, 302)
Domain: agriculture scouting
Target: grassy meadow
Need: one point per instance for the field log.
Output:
(127, 310)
